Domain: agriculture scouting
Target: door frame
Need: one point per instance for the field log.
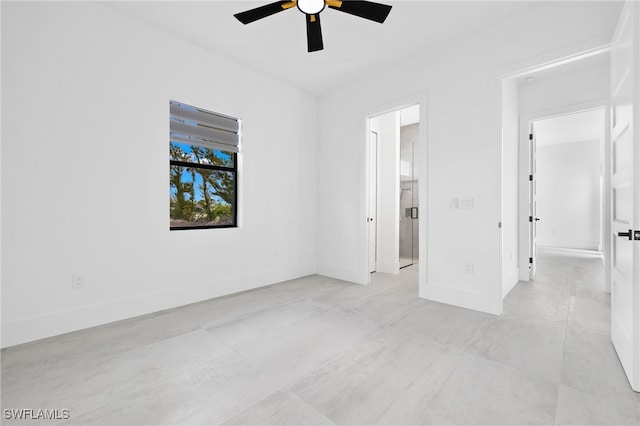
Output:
(419, 98)
(372, 216)
(497, 78)
(533, 202)
(524, 241)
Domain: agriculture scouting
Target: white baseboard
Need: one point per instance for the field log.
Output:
(568, 250)
(510, 281)
(56, 323)
(584, 245)
(458, 297)
(341, 273)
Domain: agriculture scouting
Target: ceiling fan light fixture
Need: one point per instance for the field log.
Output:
(311, 7)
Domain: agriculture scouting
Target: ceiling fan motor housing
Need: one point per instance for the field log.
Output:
(311, 7)
(372, 11)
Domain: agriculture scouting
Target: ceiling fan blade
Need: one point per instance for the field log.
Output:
(377, 12)
(252, 15)
(314, 33)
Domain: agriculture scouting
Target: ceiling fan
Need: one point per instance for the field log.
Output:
(311, 8)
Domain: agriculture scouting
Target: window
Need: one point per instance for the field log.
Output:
(203, 160)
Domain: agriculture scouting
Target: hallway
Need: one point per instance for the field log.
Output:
(567, 303)
(321, 351)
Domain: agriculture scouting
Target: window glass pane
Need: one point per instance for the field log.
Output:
(196, 154)
(201, 197)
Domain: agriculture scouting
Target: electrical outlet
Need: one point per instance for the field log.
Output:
(469, 267)
(77, 281)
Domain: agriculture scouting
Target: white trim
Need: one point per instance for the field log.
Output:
(511, 281)
(571, 251)
(338, 272)
(562, 56)
(476, 301)
(1, 198)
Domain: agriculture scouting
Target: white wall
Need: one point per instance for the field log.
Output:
(573, 84)
(569, 195)
(463, 158)
(388, 228)
(85, 172)
(510, 130)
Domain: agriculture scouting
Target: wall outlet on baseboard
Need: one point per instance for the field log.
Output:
(77, 281)
(468, 267)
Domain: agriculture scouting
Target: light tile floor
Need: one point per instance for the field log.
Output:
(321, 351)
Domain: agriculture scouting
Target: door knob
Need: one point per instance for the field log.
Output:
(629, 234)
(537, 219)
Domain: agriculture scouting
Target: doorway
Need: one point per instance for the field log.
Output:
(393, 190)
(566, 184)
(409, 225)
(622, 213)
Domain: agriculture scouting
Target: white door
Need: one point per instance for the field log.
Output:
(625, 213)
(373, 199)
(533, 209)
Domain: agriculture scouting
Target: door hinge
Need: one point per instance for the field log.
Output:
(530, 178)
(531, 260)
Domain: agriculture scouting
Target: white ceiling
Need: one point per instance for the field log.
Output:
(580, 127)
(276, 45)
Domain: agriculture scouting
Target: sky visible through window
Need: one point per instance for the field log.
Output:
(187, 176)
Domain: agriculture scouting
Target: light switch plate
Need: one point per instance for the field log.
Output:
(466, 203)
